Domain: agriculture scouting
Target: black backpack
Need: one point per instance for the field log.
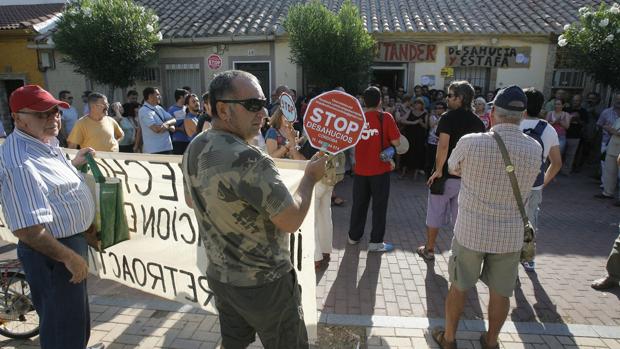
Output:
(537, 133)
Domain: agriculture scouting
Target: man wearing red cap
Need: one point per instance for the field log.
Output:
(47, 205)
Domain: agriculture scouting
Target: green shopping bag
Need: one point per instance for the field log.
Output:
(110, 220)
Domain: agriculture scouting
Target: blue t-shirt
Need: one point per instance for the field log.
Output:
(273, 133)
(179, 114)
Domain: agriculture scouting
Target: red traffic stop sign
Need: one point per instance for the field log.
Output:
(334, 121)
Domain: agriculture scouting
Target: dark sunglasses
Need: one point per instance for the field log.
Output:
(251, 104)
(42, 114)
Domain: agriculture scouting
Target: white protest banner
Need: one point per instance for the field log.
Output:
(287, 105)
(165, 255)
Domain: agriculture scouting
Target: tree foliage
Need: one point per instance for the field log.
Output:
(109, 41)
(334, 49)
(594, 42)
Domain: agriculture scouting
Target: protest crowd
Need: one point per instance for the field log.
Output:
(485, 156)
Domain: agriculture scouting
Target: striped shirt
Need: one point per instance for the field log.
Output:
(488, 219)
(38, 185)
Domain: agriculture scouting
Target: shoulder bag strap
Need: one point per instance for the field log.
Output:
(510, 170)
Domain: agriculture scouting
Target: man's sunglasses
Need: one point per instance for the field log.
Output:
(42, 114)
(251, 104)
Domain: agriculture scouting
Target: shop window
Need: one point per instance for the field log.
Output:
(477, 76)
(149, 74)
(564, 75)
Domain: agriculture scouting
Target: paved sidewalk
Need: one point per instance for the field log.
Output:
(391, 297)
(576, 236)
(123, 323)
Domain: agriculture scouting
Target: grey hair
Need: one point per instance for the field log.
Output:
(95, 97)
(507, 116)
(222, 86)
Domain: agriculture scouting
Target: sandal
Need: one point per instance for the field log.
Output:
(484, 345)
(438, 336)
(426, 254)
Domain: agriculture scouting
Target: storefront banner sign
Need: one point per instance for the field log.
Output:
(405, 52)
(488, 56)
(287, 105)
(334, 121)
(165, 255)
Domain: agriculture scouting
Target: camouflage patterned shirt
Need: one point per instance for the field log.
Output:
(235, 189)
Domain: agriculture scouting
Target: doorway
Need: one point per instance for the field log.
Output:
(394, 77)
(7, 86)
(262, 70)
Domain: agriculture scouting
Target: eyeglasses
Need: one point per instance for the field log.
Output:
(250, 104)
(42, 114)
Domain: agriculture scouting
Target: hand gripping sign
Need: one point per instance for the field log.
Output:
(334, 121)
(287, 105)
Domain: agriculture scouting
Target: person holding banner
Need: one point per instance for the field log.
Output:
(372, 172)
(47, 205)
(244, 211)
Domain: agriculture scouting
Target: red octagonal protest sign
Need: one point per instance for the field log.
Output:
(334, 121)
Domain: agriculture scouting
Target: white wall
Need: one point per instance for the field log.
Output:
(532, 77)
(286, 72)
(64, 78)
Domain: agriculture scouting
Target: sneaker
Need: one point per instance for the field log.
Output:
(353, 242)
(529, 266)
(380, 247)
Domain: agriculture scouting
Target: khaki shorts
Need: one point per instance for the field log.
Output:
(499, 270)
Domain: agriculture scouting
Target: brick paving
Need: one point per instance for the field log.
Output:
(577, 232)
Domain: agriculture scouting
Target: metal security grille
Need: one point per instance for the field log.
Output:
(568, 78)
(179, 75)
(477, 76)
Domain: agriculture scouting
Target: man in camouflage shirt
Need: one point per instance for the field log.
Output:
(244, 212)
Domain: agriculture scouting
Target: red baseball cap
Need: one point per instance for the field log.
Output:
(35, 98)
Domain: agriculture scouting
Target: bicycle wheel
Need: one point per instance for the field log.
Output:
(18, 319)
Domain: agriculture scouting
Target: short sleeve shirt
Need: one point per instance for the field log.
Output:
(457, 123)
(374, 139)
(236, 189)
(153, 142)
(100, 135)
(39, 185)
(488, 219)
(273, 133)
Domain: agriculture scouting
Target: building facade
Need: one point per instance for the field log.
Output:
(492, 44)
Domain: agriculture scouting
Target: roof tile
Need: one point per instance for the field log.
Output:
(25, 16)
(208, 18)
